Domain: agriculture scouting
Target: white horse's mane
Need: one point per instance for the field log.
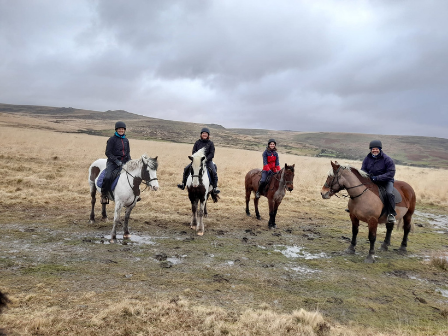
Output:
(134, 164)
(200, 152)
(349, 168)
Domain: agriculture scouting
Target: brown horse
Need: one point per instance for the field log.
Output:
(365, 205)
(277, 187)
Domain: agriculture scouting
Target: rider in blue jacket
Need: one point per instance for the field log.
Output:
(381, 169)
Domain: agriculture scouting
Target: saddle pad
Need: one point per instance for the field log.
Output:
(99, 182)
(382, 193)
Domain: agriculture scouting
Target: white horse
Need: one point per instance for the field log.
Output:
(127, 191)
(199, 189)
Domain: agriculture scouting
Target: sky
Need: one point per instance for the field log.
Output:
(377, 67)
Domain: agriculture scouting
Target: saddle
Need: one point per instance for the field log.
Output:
(267, 183)
(383, 197)
(115, 177)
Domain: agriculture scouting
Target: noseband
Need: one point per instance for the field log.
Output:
(199, 176)
(334, 192)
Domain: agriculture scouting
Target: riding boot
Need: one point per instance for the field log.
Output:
(215, 183)
(260, 190)
(184, 179)
(391, 208)
(104, 196)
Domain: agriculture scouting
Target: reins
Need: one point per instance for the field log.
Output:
(336, 176)
(146, 181)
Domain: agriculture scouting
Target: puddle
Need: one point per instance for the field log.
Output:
(444, 292)
(230, 263)
(439, 222)
(297, 252)
(302, 270)
(174, 260)
(134, 239)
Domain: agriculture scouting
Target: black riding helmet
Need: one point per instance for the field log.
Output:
(375, 144)
(206, 130)
(272, 140)
(120, 124)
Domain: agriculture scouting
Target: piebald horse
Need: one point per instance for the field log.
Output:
(127, 191)
(365, 205)
(199, 189)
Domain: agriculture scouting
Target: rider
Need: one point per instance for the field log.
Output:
(381, 169)
(118, 153)
(271, 165)
(204, 141)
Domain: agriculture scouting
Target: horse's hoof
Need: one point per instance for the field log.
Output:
(113, 241)
(272, 227)
(350, 250)
(384, 247)
(402, 250)
(191, 227)
(92, 221)
(370, 259)
(259, 217)
(127, 236)
(247, 213)
(205, 215)
(200, 233)
(104, 219)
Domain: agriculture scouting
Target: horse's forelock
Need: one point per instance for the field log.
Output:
(199, 153)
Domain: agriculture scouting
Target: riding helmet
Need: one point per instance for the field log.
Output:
(375, 144)
(272, 140)
(120, 124)
(206, 130)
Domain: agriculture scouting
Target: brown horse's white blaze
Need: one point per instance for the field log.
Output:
(127, 191)
(366, 206)
(278, 185)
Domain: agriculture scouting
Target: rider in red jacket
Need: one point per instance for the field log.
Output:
(271, 165)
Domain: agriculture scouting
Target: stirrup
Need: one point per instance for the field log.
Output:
(391, 218)
(181, 186)
(104, 199)
(257, 194)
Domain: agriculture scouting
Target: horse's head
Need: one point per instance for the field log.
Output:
(289, 177)
(197, 167)
(149, 172)
(334, 182)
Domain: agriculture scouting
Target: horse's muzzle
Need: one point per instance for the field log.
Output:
(325, 195)
(290, 189)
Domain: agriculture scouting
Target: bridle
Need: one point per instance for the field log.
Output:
(199, 175)
(278, 173)
(147, 182)
(333, 183)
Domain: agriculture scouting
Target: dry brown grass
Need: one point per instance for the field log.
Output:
(45, 175)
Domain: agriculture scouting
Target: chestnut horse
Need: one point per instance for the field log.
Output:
(365, 205)
(280, 181)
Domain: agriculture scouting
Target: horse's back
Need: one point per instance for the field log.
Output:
(407, 193)
(95, 169)
(250, 177)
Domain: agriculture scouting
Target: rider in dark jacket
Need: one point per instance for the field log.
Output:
(271, 165)
(118, 153)
(204, 141)
(381, 169)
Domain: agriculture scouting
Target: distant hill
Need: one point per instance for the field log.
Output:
(407, 150)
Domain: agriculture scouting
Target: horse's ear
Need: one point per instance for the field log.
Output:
(156, 158)
(190, 157)
(335, 165)
(293, 165)
(286, 166)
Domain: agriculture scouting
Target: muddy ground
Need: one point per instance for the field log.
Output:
(58, 259)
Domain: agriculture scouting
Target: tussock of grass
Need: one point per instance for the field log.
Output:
(440, 261)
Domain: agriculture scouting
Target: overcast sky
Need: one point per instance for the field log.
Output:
(340, 66)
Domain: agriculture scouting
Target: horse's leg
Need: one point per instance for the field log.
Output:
(200, 226)
(93, 201)
(386, 242)
(248, 192)
(126, 220)
(274, 215)
(271, 222)
(113, 233)
(205, 210)
(355, 229)
(373, 226)
(194, 210)
(257, 213)
(407, 228)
